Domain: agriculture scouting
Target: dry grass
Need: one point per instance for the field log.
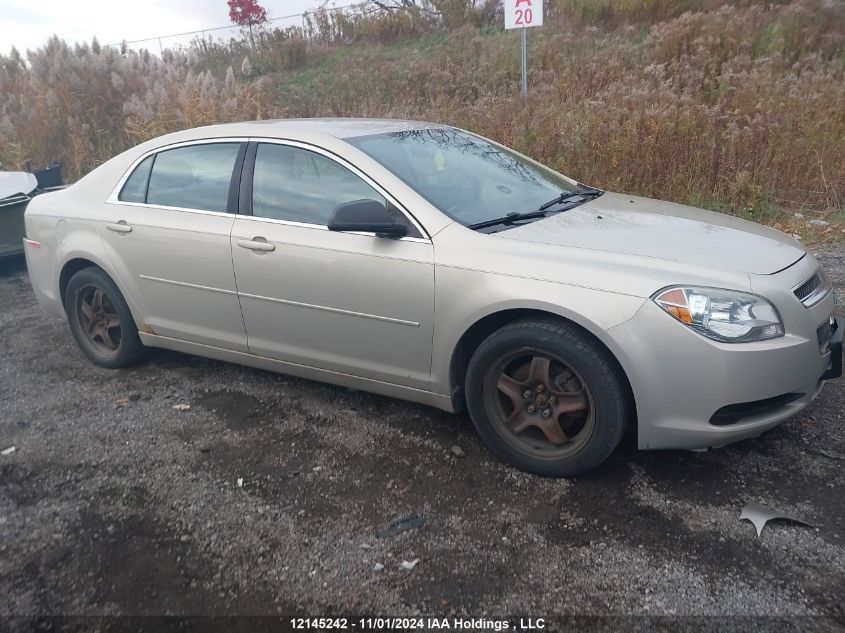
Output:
(736, 106)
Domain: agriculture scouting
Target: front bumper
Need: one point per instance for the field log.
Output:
(680, 379)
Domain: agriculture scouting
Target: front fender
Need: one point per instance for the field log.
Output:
(486, 294)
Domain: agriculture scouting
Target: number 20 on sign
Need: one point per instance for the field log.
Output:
(522, 13)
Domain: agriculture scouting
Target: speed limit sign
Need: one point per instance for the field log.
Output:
(522, 13)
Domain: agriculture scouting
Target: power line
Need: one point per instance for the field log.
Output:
(220, 28)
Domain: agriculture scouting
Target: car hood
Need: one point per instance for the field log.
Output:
(650, 228)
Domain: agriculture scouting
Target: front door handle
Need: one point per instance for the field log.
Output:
(119, 227)
(258, 244)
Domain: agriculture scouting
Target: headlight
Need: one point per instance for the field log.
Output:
(723, 315)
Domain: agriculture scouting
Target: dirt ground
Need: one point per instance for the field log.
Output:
(266, 495)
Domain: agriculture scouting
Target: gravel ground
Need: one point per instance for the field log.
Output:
(265, 496)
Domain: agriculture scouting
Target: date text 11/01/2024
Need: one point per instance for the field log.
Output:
(420, 623)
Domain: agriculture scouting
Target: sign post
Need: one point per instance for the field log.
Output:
(520, 14)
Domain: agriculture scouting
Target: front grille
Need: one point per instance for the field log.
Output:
(808, 287)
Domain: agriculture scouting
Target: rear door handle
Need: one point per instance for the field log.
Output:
(119, 227)
(257, 244)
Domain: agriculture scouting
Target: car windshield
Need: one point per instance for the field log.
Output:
(471, 180)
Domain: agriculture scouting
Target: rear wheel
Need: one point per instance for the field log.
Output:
(100, 320)
(546, 398)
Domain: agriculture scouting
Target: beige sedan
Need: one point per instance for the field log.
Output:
(427, 263)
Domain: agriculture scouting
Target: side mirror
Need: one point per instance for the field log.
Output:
(368, 216)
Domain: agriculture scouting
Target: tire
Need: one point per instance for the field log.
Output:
(582, 395)
(100, 320)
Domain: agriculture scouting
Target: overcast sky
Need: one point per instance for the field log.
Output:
(28, 23)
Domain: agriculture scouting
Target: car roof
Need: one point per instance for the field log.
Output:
(347, 128)
(341, 128)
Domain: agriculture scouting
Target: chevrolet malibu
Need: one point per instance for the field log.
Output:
(427, 263)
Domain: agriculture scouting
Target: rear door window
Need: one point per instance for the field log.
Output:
(193, 177)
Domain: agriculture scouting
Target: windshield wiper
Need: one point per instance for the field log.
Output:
(565, 196)
(583, 192)
(508, 219)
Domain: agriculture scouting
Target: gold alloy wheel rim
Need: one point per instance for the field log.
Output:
(539, 404)
(98, 319)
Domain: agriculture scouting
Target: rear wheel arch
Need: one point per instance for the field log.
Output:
(69, 269)
(484, 327)
(81, 260)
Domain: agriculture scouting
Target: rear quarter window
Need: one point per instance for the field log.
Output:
(135, 187)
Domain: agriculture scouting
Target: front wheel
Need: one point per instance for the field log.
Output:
(546, 398)
(100, 320)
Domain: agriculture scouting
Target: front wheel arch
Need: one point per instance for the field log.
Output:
(484, 327)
